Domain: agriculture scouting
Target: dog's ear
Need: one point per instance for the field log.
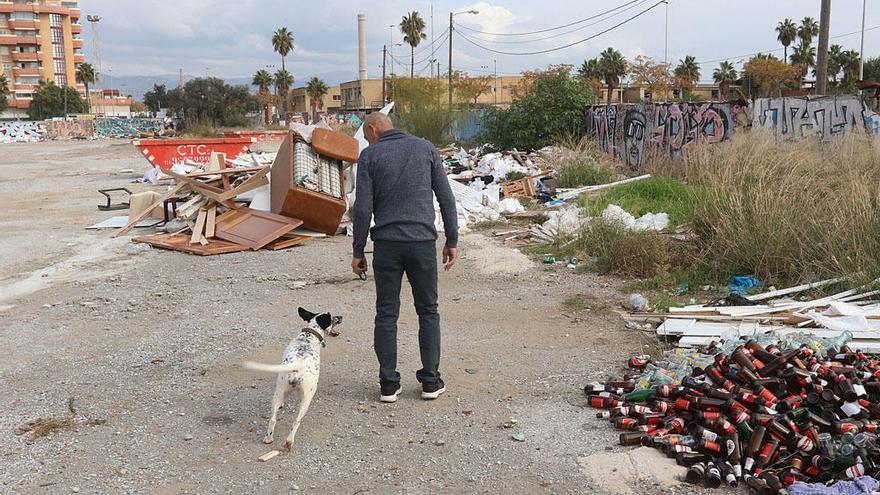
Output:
(324, 321)
(306, 315)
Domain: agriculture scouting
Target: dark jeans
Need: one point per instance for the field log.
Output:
(419, 261)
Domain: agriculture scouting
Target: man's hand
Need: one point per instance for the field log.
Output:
(359, 266)
(450, 256)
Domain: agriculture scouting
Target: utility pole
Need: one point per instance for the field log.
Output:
(495, 61)
(822, 58)
(449, 76)
(384, 52)
(862, 49)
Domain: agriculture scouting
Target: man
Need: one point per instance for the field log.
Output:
(396, 177)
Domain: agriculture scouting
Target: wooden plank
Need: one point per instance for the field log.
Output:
(211, 222)
(144, 214)
(577, 192)
(268, 455)
(253, 228)
(257, 180)
(792, 290)
(283, 243)
(199, 228)
(228, 171)
(180, 242)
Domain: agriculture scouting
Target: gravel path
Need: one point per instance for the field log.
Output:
(151, 343)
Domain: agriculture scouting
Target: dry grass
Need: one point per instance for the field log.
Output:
(578, 163)
(42, 427)
(789, 211)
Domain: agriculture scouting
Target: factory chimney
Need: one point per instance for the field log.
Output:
(362, 48)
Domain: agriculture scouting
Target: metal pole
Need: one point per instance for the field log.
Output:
(495, 61)
(862, 49)
(384, 52)
(666, 38)
(449, 77)
(822, 58)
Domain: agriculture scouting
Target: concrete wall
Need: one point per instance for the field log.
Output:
(637, 133)
(825, 117)
(20, 132)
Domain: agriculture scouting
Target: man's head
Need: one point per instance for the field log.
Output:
(375, 125)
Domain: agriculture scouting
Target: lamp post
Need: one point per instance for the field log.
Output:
(449, 75)
(862, 49)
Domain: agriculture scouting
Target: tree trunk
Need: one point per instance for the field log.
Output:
(412, 61)
(785, 48)
(282, 63)
(608, 96)
(88, 100)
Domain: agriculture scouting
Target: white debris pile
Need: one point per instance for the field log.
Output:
(647, 222)
(566, 221)
(500, 166)
(479, 205)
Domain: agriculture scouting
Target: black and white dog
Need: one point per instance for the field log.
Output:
(300, 368)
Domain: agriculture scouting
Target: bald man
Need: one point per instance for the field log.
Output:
(397, 178)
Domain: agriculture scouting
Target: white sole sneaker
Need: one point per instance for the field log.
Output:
(433, 395)
(391, 398)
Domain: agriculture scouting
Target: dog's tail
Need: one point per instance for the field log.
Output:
(273, 368)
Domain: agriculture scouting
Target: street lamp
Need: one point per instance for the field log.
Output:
(451, 15)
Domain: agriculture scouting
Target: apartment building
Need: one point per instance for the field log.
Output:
(302, 103)
(39, 39)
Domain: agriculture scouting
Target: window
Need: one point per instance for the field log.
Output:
(337, 97)
(59, 64)
(23, 16)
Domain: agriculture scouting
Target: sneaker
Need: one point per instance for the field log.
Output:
(431, 391)
(389, 392)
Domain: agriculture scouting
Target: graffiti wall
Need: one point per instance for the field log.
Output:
(20, 132)
(640, 132)
(69, 129)
(797, 118)
(123, 128)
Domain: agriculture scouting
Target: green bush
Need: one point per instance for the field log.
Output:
(421, 107)
(617, 250)
(552, 107)
(49, 101)
(213, 100)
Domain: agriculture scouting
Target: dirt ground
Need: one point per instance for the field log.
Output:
(150, 344)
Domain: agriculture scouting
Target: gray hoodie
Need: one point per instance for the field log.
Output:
(395, 178)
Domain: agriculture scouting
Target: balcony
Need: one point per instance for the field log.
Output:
(23, 25)
(79, 58)
(20, 103)
(24, 87)
(78, 43)
(76, 28)
(22, 40)
(26, 56)
(18, 72)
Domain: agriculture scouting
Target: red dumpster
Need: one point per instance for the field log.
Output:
(260, 136)
(165, 153)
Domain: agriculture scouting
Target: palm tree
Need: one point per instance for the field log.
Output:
(804, 54)
(413, 28)
(808, 30)
(263, 80)
(724, 75)
(849, 63)
(688, 71)
(612, 66)
(835, 62)
(283, 82)
(786, 31)
(316, 89)
(282, 43)
(590, 69)
(86, 75)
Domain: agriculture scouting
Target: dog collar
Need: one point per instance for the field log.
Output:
(316, 334)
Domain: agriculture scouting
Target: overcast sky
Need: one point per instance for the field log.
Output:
(232, 38)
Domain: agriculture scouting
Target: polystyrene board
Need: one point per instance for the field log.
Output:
(694, 327)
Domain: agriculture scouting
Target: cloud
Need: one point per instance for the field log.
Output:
(490, 19)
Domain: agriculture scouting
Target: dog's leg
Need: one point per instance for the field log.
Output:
(282, 389)
(306, 393)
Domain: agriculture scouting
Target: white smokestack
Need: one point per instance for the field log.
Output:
(362, 47)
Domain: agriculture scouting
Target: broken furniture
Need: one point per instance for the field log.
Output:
(307, 181)
(121, 205)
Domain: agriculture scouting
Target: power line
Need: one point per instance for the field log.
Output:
(553, 28)
(774, 50)
(588, 38)
(579, 28)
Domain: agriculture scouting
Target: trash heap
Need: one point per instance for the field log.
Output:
(767, 414)
(226, 206)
